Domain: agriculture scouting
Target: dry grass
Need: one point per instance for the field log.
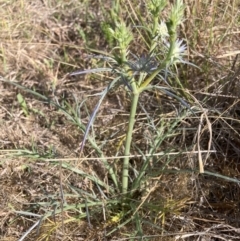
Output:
(43, 41)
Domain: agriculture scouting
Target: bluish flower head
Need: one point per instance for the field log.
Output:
(145, 64)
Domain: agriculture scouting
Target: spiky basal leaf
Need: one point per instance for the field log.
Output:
(92, 117)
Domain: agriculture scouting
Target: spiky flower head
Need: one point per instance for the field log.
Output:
(144, 63)
(178, 52)
(122, 34)
(162, 30)
(156, 6)
(176, 16)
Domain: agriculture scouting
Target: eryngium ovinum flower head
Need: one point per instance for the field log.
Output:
(162, 32)
(156, 6)
(177, 53)
(144, 63)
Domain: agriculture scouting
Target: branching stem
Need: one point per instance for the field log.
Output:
(128, 142)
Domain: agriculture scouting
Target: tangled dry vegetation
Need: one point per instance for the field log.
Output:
(41, 43)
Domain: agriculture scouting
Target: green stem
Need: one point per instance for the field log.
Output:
(128, 142)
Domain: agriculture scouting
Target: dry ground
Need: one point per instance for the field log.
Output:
(41, 43)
